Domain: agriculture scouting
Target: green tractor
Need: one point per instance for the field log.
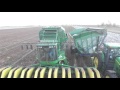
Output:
(90, 50)
(109, 64)
(50, 50)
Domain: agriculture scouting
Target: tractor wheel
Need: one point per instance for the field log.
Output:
(110, 74)
(97, 61)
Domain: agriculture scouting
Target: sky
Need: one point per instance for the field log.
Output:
(58, 18)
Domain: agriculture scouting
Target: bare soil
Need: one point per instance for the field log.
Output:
(10, 44)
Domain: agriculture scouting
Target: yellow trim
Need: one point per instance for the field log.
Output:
(90, 72)
(50, 73)
(2, 69)
(77, 73)
(23, 73)
(97, 73)
(55, 72)
(17, 72)
(69, 72)
(83, 73)
(63, 72)
(5, 72)
(42, 73)
(11, 72)
(107, 76)
(29, 72)
(96, 62)
(36, 73)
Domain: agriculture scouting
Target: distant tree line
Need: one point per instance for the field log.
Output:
(109, 24)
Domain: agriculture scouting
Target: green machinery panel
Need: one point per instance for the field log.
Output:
(87, 39)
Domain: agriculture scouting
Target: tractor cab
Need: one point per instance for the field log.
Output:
(113, 49)
(47, 50)
(48, 53)
(111, 53)
(50, 49)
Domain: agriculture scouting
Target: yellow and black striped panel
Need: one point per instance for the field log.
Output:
(17, 72)
(52, 72)
(36, 73)
(23, 73)
(10, 75)
(83, 73)
(69, 72)
(30, 72)
(5, 72)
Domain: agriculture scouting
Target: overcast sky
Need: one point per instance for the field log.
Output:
(57, 18)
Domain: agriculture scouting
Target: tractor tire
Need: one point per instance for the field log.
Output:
(110, 74)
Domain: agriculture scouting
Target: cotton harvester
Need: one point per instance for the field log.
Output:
(52, 57)
(90, 50)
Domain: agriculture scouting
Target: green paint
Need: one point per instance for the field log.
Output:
(117, 66)
(86, 38)
(51, 37)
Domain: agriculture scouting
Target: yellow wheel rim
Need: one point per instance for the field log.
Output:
(96, 62)
(107, 76)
